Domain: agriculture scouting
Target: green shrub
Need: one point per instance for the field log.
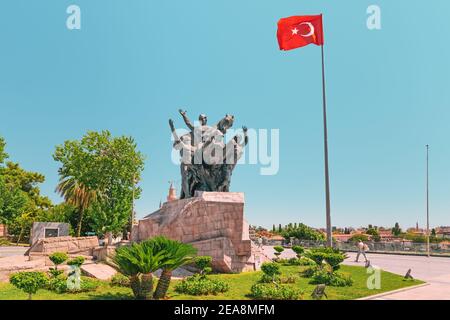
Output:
(334, 279)
(58, 258)
(270, 268)
(265, 291)
(304, 261)
(333, 257)
(288, 279)
(299, 250)
(269, 279)
(54, 273)
(78, 261)
(334, 260)
(284, 262)
(29, 281)
(317, 256)
(204, 264)
(278, 249)
(294, 262)
(309, 272)
(197, 286)
(120, 280)
(59, 285)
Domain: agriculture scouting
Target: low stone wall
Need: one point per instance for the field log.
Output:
(213, 222)
(80, 245)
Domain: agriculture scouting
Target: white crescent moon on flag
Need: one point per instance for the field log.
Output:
(311, 29)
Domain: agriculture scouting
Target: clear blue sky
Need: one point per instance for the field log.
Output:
(134, 63)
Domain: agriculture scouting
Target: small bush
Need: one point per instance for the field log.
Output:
(78, 261)
(198, 286)
(299, 250)
(317, 256)
(278, 249)
(294, 262)
(334, 279)
(309, 272)
(304, 261)
(331, 256)
(265, 278)
(59, 285)
(265, 291)
(120, 280)
(29, 281)
(288, 279)
(58, 258)
(270, 269)
(54, 273)
(204, 264)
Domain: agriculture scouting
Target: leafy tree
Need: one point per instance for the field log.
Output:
(99, 173)
(358, 237)
(3, 154)
(77, 194)
(303, 232)
(374, 233)
(12, 202)
(433, 232)
(20, 198)
(176, 255)
(396, 230)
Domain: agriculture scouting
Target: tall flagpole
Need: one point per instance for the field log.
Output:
(325, 145)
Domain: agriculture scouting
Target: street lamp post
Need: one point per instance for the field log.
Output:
(428, 209)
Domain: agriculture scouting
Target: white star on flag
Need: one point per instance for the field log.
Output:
(294, 31)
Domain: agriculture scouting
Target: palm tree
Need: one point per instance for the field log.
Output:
(176, 255)
(77, 194)
(138, 261)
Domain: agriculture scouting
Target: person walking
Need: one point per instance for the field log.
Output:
(362, 248)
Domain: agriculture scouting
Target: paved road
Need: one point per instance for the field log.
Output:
(435, 271)
(9, 251)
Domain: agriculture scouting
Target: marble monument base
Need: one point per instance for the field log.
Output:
(213, 222)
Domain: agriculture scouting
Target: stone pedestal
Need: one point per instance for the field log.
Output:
(213, 222)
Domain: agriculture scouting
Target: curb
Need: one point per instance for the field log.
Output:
(393, 292)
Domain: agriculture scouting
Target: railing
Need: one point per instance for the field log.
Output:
(398, 247)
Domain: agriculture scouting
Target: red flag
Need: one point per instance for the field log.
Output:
(299, 31)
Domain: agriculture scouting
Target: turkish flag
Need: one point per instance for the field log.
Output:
(299, 31)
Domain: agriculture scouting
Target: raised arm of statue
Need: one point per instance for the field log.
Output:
(174, 133)
(244, 128)
(186, 120)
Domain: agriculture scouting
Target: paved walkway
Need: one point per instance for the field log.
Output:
(8, 251)
(434, 270)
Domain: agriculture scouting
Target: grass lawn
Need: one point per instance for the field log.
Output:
(239, 287)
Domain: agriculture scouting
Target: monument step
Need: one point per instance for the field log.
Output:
(98, 270)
